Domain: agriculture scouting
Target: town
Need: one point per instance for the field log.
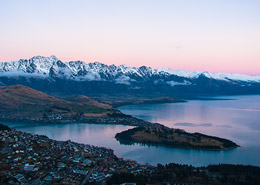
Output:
(36, 159)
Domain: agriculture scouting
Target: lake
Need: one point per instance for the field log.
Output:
(237, 119)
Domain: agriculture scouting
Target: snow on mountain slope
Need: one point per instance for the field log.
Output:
(37, 66)
(45, 67)
(217, 76)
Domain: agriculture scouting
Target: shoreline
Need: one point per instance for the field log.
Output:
(67, 161)
(174, 138)
(118, 118)
(127, 120)
(126, 142)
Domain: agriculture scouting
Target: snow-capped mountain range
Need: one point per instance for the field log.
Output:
(52, 76)
(39, 66)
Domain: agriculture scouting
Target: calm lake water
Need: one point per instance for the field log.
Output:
(237, 119)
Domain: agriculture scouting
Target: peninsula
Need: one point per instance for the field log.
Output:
(23, 104)
(169, 137)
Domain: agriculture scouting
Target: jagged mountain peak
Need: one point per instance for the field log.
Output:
(42, 58)
(216, 76)
(51, 75)
(78, 70)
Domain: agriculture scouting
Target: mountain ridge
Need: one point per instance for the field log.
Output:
(54, 77)
(51, 66)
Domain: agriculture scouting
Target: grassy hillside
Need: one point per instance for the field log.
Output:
(18, 100)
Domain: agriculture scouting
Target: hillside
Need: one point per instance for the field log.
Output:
(22, 101)
(19, 103)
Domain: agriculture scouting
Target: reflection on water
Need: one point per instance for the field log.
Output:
(93, 134)
(238, 120)
(194, 125)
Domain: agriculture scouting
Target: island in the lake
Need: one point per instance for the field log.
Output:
(23, 104)
(164, 136)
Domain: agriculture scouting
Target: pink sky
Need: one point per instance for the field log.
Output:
(214, 36)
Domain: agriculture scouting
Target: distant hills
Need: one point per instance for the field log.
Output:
(52, 76)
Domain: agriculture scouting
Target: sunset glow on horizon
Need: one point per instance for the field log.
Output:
(214, 36)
